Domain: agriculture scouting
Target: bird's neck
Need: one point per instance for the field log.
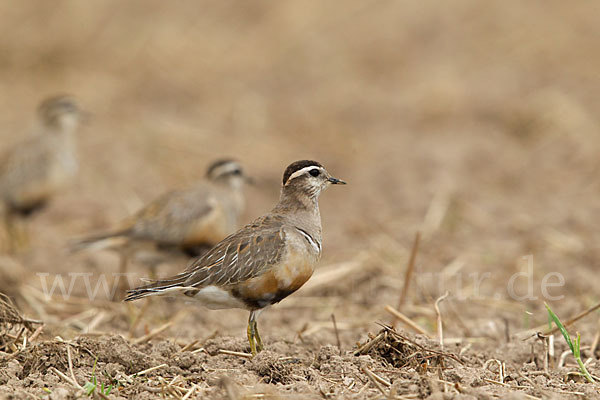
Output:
(234, 193)
(301, 207)
(61, 132)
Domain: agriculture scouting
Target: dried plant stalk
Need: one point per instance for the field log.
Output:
(10, 316)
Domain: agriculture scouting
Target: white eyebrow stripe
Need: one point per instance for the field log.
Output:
(228, 167)
(302, 171)
(313, 243)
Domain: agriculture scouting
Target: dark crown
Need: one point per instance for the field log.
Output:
(298, 165)
(217, 164)
(63, 103)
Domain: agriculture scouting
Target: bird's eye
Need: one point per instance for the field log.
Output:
(314, 172)
(237, 172)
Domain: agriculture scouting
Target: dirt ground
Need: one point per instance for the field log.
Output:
(474, 123)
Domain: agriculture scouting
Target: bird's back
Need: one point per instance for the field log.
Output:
(191, 216)
(34, 170)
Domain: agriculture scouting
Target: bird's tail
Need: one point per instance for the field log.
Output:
(161, 287)
(99, 241)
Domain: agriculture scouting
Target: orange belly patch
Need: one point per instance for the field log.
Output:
(209, 230)
(275, 284)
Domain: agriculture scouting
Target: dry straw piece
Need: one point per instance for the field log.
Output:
(10, 317)
(399, 350)
(13, 326)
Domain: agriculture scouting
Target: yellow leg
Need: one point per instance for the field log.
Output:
(251, 338)
(10, 234)
(259, 343)
(254, 339)
(17, 236)
(123, 282)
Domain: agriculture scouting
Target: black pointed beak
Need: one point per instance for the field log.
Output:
(249, 180)
(336, 181)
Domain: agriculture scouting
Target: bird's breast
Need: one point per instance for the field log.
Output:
(281, 280)
(210, 229)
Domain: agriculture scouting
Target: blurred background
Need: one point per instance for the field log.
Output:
(474, 122)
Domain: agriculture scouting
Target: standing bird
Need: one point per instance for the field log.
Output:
(265, 261)
(187, 219)
(36, 169)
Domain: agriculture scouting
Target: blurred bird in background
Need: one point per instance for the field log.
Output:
(36, 169)
(265, 261)
(191, 220)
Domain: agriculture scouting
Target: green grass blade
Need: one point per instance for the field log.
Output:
(561, 327)
(89, 388)
(575, 348)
